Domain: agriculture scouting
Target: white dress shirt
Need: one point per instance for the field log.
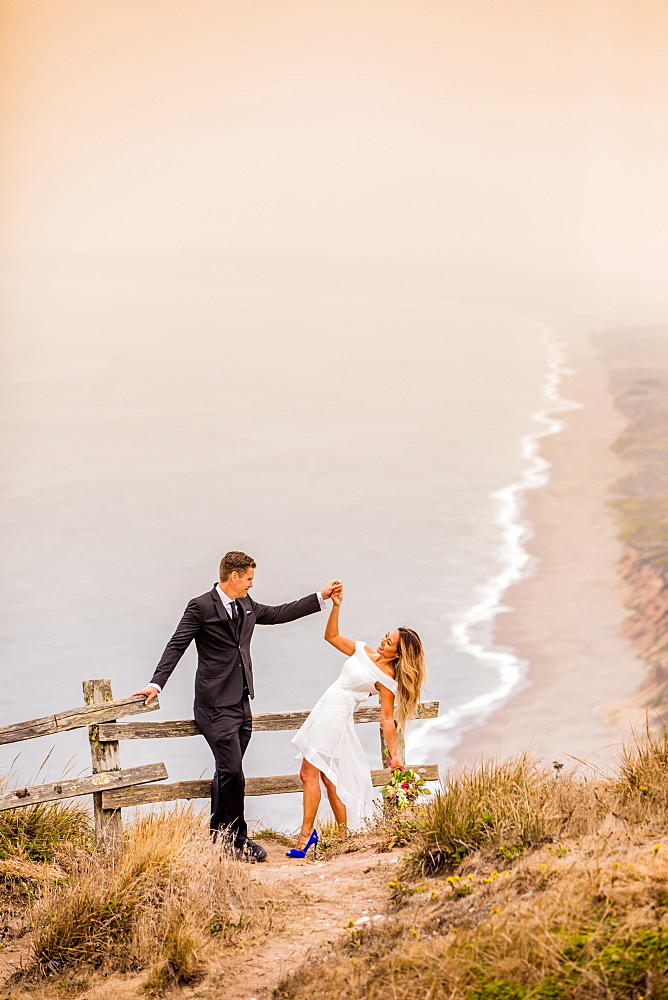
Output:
(226, 604)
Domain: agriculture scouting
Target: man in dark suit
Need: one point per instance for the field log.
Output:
(221, 622)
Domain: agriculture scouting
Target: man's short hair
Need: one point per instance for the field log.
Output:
(235, 561)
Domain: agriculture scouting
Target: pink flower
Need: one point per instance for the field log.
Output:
(405, 784)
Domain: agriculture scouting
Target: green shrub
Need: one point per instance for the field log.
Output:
(627, 964)
(498, 989)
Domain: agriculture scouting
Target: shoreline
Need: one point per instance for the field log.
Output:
(517, 561)
(565, 618)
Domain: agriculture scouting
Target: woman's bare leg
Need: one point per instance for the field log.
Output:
(310, 777)
(338, 807)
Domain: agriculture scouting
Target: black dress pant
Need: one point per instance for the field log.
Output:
(227, 730)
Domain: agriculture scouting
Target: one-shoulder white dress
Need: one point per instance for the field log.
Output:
(328, 739)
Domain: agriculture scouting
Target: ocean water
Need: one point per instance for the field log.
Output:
(148, 425)
(473, 630)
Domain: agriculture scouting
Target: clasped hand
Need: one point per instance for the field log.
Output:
(331, 588)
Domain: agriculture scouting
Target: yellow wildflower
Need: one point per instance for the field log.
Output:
(494, 909)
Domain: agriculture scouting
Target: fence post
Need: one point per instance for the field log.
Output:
(105, 757)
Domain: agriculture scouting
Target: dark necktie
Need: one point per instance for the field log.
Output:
(235, 617)
(235, 621)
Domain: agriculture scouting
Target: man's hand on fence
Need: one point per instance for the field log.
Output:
(150, 693)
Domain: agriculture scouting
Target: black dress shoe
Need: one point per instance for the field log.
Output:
(248, 850)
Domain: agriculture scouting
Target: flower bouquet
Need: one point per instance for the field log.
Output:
(404, 789)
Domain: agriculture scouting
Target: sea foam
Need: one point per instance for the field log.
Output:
(430, 741)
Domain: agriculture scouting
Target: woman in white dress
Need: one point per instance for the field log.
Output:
(328, 745)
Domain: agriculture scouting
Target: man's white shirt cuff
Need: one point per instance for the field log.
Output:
(153, 685)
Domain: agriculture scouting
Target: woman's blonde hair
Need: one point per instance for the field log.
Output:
(410, 674)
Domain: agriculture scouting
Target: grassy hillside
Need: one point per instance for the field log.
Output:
(520, 882)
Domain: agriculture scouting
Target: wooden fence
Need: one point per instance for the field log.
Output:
(114, 788)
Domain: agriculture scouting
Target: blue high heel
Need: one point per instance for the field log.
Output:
(295, 853)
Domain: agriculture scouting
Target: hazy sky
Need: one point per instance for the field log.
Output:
(483, 131)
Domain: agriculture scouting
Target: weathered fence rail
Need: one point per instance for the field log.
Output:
(68, 788)
(114, 788)
(271, 722)
(276, 785)
(75, 718)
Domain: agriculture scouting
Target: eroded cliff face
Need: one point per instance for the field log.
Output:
(646, 627)
(638, 366)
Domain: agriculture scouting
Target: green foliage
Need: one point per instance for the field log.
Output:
(273, 836)
(460, 889)
(510, 853)
(644, 524)
(550, 989)
(37, 831)
(575, 946)
(500, 989)
(626, 964)
(497, 989)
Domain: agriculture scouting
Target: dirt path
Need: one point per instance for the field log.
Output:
(315, 902)
(13, 954)
(323, 897)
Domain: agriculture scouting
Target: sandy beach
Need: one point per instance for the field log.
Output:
(565, 619)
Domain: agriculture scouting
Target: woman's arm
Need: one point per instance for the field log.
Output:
(332, 633)
(388, 726)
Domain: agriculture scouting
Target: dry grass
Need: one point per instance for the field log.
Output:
(511, 806)
(37, 847)
(37, 832)
(171, 904)
(571, 928)
(548, 887)
(521, 882)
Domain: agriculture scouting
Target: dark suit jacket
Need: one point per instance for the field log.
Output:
(223, 652)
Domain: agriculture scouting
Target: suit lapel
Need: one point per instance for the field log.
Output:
(245, 607)
(220, 609)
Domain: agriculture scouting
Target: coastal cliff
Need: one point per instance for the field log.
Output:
(646, 627)
(638, 368)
